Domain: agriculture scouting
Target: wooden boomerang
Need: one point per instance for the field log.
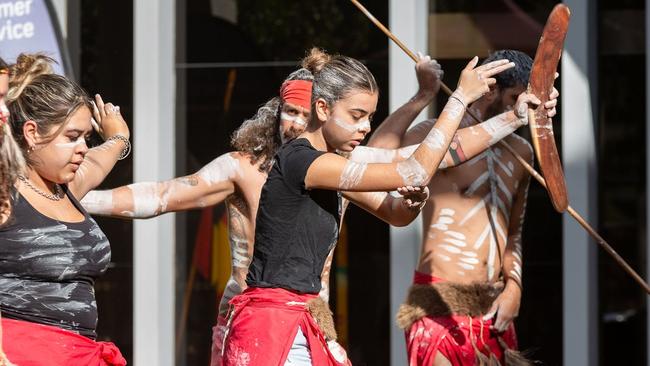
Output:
(542, 77)
(608, 248)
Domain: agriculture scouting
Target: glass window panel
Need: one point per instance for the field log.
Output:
(622, 178)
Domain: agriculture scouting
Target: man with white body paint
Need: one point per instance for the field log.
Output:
(467, 285)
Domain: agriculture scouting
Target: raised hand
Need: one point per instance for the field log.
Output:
(107, 119)
(429, 74)
(475, 81)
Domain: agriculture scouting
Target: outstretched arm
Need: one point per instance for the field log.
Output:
(100, 160)
(467, 142)
(330, 171)
(390, 132)
(207, 187)
(471, 141)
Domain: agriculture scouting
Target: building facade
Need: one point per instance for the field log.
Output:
(186, 74)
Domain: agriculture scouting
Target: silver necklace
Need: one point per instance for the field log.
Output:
(57, 196)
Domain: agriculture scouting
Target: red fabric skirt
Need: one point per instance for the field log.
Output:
(455, 337)
(31, 344)
(263, 324)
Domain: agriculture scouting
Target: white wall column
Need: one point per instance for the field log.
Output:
(408, 21)
(154, 159)
(580, 261)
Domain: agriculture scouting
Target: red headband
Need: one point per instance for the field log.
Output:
(297, 92)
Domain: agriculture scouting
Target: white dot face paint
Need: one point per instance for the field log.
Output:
(220, 169)
(363, 125)
(412, 173)
(352, 174)
(295, 119)
(98, 202)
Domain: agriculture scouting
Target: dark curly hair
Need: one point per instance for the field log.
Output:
(259, 136)
(516, 76)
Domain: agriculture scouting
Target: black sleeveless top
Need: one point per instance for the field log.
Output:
(48, 268)
(295, 228)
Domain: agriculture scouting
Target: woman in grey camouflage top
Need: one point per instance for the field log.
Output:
(51, 250)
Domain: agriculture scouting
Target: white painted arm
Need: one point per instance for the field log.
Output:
(209, 186)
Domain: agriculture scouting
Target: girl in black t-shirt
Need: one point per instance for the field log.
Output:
(298, 216)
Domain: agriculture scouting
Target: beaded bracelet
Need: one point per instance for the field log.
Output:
(127, 145)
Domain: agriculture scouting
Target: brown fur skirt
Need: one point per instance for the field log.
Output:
(444, 299)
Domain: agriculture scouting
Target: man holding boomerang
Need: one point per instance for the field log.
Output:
(459, 312)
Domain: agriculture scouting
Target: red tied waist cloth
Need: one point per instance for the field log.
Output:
(263, 324)
(32, 344)
(453, 336)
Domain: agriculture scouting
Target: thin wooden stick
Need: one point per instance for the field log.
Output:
(599, 239)
(520, 159)
(401, 45)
